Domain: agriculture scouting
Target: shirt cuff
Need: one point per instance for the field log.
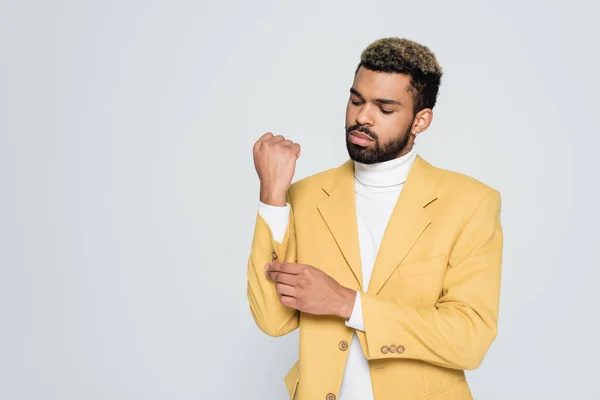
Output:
(276, 218)
(356, 318)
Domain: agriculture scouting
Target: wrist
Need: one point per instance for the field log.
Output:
(347, 303)
(273, 197)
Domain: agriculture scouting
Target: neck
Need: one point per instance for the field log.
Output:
(387, 173)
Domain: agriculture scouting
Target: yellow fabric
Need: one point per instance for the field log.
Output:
(432, 298)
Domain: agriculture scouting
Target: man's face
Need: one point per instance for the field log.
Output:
(379, 117)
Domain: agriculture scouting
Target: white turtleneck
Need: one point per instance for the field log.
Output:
(377, 187)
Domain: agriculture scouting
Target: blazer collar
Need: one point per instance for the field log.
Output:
(406, 224)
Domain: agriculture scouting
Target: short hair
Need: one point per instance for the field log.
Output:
(403, 56)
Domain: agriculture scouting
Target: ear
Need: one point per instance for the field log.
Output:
(422, 121)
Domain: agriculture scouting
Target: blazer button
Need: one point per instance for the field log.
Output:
(273, 256)
(343, 345)
(400, 349)
(330, 396)
(392, 349)
(385, 349)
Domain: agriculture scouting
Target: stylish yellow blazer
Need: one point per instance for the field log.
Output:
(431, 308)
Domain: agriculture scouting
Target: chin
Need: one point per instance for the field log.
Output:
(360, 154)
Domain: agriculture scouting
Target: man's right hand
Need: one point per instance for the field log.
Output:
(275, 162)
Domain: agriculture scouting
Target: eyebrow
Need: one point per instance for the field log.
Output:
(383, 101)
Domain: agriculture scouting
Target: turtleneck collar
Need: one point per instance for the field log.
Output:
(387, 173)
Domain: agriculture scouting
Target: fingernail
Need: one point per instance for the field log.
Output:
(267, 267)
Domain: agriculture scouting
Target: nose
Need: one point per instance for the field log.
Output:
(364, 116)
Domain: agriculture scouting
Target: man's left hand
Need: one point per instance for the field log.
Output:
(310, 290)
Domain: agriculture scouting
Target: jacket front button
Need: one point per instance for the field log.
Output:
(330, 396)
(273, 256)
(343, 345)
(392, 349)
(400, 349)
(385, 349)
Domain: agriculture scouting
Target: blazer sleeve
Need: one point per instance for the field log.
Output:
(459, 329)
(272, 317)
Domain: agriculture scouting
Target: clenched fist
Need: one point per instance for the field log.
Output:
(275, 162)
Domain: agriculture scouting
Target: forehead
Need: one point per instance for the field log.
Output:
(373, 85)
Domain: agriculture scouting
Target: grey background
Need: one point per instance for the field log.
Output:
(128, 193)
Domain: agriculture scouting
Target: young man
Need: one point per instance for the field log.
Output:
(389, 266)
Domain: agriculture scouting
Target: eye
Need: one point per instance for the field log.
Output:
(386, 111)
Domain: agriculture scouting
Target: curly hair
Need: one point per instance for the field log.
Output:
(404, 56)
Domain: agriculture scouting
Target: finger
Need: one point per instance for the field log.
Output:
(282, 277)
(288, 301)
(297, 149)
(286, 290)
(292, 268)
(288, 268)
(265, 137)
(275, 276)
(286, 143)
(274, 266)
(275, 139)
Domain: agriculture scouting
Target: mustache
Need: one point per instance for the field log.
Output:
(362, 129)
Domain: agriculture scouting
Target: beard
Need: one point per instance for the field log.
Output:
(377, 152)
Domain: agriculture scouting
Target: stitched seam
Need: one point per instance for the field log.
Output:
(412, 264)
(421, 273)
(444, 389)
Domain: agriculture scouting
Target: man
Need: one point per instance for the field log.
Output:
(389, 266)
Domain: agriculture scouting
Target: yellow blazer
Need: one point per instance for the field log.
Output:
(432, 298)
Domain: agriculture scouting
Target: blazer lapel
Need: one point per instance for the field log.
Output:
(339, 213)
(407, 222)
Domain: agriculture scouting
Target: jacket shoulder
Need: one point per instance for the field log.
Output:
(311, 186)
(455, 184)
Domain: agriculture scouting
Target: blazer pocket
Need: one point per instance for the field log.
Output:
(458, 390)
(420, 267)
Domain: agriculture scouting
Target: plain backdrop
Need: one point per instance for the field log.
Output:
(128, 191)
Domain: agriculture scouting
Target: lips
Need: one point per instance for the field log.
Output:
(360, 135)
(360, 139)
